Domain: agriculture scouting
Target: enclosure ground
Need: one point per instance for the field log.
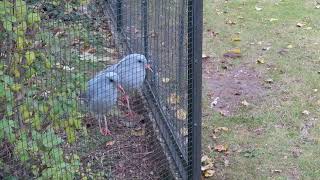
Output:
(261, 96)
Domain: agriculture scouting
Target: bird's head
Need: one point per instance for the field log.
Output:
(139, 59)
(114, 79)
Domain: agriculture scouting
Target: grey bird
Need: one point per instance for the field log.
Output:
(102, 94)
(132, 71)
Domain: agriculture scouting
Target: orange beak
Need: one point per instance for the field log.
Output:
(120, 88)
(148, 66)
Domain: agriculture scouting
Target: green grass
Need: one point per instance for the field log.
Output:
(295, 75)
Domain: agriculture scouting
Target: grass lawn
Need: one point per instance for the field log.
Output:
(267, 96)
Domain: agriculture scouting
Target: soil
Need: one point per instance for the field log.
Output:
(228, 86)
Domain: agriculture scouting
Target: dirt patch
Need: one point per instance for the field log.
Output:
(131, 152)
(228, 88)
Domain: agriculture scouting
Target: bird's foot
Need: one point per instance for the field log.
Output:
(105, 131)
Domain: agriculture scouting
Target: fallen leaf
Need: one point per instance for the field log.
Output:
(184, 131)
(305, 112)
(219, 129)
(308, 28)
(230, 22)
(266, 48)
(224, 112)
(260, 61)
(205, 56)
(235, 51)
(235, 39)
(165, 80)
(214, 102)
(231, 55)
(245, 103)
(269, 80)
(273, 19)
(138, 132)
(204, 158)
(290, 46)
(110, 143)
(173, 99)
(220, 148)
(300, 24)
(209, 173)
(258, 8)
(181, 114)
(207, 166)
(277, 171)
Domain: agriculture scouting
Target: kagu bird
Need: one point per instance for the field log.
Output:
(102, 95)
(132, 71)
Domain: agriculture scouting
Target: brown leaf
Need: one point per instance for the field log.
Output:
(220, 148)
(219, 129)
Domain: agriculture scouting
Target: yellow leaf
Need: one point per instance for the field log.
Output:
(290, 46)
(260, 61)
(235, 51)
(209, 173)
(235, 39)
(273, 19)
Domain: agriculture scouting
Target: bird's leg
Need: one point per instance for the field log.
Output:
(99, 120)
(106, 129)
(130, 114)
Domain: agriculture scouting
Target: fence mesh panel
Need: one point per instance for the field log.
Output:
(78, 98)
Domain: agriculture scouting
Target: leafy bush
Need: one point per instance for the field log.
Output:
(34, 110)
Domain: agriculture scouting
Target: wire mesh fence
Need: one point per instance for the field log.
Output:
(100, 89)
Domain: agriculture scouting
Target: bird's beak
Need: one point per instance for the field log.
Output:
(148, 66)
(121, 88)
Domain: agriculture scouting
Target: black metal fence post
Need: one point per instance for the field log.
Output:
(195, 14)
(145, 26)
(119, 15)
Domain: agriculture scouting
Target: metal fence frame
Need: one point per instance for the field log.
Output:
(188, 168)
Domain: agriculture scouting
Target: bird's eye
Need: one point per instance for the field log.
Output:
(111, 80)
(140, 61)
